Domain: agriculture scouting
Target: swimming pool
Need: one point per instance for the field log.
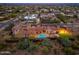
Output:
(42, 36)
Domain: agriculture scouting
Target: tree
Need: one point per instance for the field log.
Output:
(75, 16)
(62, 18)
(23, 44)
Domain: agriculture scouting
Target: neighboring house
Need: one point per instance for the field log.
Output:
(31, 18)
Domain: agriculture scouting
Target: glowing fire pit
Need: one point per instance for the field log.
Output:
(65, 36)
(64, 33)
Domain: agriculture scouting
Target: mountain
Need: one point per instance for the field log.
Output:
(53, 4)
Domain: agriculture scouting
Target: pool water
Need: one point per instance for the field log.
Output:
(41, 36)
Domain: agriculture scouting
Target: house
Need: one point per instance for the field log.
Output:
(32, 31)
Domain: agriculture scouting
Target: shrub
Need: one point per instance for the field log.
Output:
(2, 46)
(68, 50)
(23, 44)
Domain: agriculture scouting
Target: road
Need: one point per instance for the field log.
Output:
(5, 24)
